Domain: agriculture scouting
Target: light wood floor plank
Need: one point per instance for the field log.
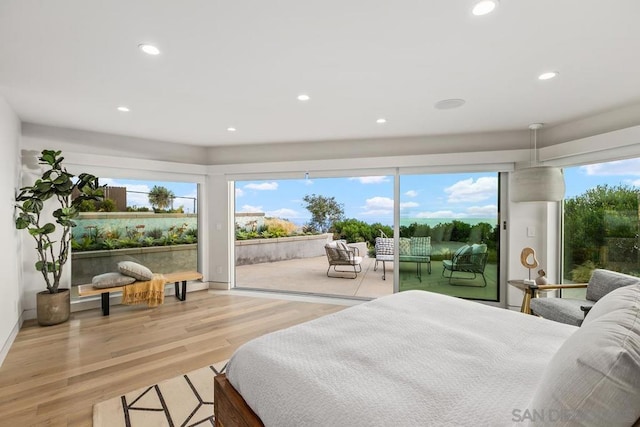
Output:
(54, 375)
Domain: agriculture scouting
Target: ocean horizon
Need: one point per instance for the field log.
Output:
(432, 222)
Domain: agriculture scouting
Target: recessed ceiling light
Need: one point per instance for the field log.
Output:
(484, 7)
(448, 104)
(381, 120)
(149, 49)
(303, 97)
(123, 109)
(231, 129)
(548, 75)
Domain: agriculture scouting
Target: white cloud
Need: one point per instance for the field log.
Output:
(283, 213)
(371, 179)
(378, 206)
(635, 182)
(379, 202)
(619, 167)
(405, 205)
(486, 211)
(383, 206)
(469, 191)
(262, 186)
(377, 212)
(250, 209)
(411, 193)
(239, 192)
(440, 214)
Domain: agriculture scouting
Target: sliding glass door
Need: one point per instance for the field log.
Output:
(449, 234)
(448, 240)
(282, 227)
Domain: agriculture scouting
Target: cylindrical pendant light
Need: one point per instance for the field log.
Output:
(536, 183)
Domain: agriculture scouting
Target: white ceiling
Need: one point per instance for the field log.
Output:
(70, 63)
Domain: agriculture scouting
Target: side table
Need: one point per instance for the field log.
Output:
(528, 292)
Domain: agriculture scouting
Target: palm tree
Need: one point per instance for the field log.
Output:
(161, 197)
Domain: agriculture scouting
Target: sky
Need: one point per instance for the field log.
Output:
(370, 198)
(185, 192)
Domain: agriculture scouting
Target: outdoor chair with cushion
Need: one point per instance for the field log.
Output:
(466, 260)
(573, 311)
(339, 254)
(414, 249)
(384, 253)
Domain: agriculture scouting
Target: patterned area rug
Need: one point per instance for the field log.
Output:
(186, 400)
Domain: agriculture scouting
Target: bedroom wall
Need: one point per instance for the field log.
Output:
(10, 285)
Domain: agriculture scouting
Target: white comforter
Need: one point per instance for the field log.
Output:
(410, 359)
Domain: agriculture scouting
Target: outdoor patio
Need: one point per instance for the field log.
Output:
(309, 275)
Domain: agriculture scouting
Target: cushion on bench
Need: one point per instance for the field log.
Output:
(135, 270)
(110, 280)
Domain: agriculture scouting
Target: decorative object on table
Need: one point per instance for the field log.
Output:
(536, 183)
(541, 279)
(524, 259)
(53, 305)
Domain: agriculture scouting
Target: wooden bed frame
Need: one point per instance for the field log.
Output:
(229, 407)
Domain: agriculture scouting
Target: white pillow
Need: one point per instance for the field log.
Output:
(614, 300)
(594, 378)
(110, 280)
(344, 252)
(135, 270)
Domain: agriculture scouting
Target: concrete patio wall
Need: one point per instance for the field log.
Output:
(257, 251)
(159, 259)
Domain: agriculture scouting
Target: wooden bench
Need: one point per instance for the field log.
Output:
(175, 278)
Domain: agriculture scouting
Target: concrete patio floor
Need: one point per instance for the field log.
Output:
(309, 275)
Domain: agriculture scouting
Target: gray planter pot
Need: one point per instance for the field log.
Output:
(53, 309)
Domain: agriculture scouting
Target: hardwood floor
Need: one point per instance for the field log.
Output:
(53, 375)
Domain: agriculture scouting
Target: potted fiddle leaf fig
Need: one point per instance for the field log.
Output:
(55, 187)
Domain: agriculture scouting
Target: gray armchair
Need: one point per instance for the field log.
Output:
(573, 311)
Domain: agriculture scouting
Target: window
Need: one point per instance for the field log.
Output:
(600, 219)
(151, 222)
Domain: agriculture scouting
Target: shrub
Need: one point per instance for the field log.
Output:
(87, 206)
(155, 233)
(582, 273)
(277, 227)
(107, 205)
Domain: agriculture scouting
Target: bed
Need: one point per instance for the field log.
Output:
(418, 358)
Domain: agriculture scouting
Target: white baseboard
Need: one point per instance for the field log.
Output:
(12, 336)
(221, 286)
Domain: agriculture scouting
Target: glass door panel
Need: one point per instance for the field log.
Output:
(600, 221)
(282, 227)
(449, 234)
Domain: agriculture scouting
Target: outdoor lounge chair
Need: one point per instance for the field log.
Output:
(573, 311)
(466, 260)
(339, 254)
